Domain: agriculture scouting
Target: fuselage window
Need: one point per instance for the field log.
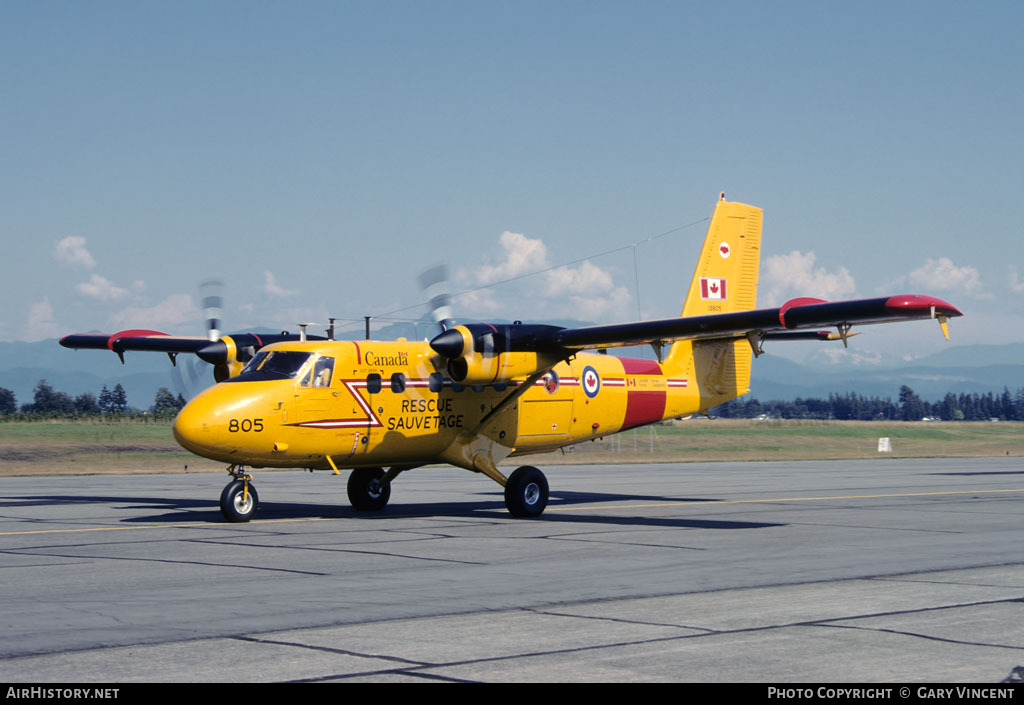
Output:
(435, 382)
(398, 383)
(373, 383)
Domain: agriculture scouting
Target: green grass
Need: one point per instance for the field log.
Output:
(729, 439)
(95, 447)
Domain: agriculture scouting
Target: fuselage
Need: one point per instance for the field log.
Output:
(350, 404)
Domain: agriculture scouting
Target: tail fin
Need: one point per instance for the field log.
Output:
(726, 276)
(725, 280)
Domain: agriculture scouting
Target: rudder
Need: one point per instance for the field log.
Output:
(725, 280)
(727, 271)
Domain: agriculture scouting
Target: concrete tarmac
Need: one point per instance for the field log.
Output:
(845, 571)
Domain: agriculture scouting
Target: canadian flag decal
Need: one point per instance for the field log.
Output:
(712, 288)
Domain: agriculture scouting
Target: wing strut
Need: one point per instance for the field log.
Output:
(504, 403)
(844, 333)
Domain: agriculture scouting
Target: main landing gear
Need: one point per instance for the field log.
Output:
(526, 492)
(368, 490)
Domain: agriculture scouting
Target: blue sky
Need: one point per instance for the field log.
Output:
(316, 156)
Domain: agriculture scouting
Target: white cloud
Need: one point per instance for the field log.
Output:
(616, 304)
(101, 288)
(478, 301)
(786, 276)
(522, 255)
(271, 287)
(585, 279)
(71, 252)
(583, 291)
(1016, 286)
(41, 324)
(942, 275)
(175, 310)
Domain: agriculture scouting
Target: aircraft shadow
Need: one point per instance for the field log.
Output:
(200, 511)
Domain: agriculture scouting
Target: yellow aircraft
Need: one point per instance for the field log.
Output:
(479, 393)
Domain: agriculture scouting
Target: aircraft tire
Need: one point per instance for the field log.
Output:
(365, 490)
(234, 506)
(526, 492)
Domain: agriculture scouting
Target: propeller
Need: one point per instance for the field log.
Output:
(188, 376)
(434, 285)
(211, 294)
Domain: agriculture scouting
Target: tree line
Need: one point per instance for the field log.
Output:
(1007, 406)
(909, 407)
(49, 403)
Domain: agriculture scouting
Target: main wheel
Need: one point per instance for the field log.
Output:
(526, 492)
(366, 492)
(238, 503)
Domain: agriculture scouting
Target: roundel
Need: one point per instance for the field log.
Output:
(724, 250)
(591, 382)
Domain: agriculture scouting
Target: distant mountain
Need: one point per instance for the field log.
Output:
(972, 369)
(967, 369)
(975, 356)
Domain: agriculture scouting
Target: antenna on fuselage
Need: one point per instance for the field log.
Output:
(302, 331)
(330, 329)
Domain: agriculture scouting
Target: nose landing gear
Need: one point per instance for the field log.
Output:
(239, 500)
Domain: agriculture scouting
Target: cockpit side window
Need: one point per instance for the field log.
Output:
(323, 369)
(273, 365)
(255, 362)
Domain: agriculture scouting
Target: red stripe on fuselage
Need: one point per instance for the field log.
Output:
(642, 407)
(633, 366)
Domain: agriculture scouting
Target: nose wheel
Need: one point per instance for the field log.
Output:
(239, 500)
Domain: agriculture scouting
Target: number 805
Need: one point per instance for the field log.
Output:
(245, 425)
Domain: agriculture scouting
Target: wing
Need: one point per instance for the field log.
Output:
(481, 353)
(793, 320)
(228, 354)
(135, 339)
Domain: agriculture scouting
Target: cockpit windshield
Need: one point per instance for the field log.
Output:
(273, 365)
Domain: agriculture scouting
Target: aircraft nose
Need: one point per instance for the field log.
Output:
(190, 428)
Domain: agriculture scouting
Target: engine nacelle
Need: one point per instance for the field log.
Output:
(486, 354)
(479, 368)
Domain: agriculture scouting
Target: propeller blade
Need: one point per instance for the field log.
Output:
(434, 285)
(211, 293)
